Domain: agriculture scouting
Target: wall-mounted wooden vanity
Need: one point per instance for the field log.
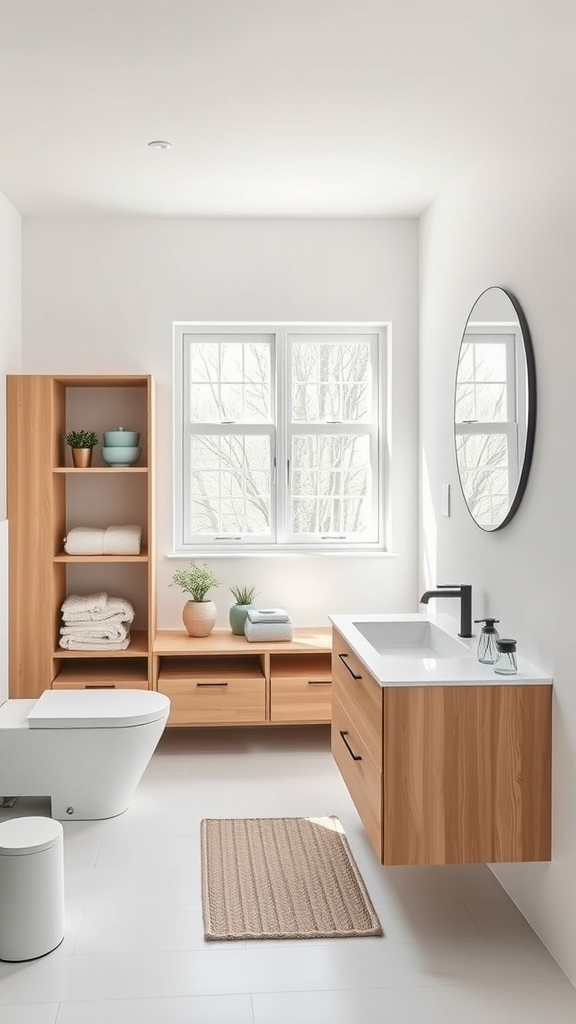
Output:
(444, 774)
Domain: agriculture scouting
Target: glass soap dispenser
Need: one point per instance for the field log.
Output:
(487, 642)
(506, 661)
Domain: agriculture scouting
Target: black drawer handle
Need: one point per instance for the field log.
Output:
(355, 757)
(346, 665)
(319, 682)
(211, 684)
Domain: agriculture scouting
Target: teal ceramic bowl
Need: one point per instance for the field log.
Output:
(121, 438)
(117, 455)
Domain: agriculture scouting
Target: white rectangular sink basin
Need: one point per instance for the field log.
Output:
(405, 639)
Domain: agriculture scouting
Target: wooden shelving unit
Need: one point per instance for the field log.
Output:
(222, 679)
(46, 496)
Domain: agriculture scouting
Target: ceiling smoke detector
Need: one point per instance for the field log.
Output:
(159, 144)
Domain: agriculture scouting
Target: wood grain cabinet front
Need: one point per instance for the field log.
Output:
(300, 688)
(213, 691)
(360, 695)
(223, 679)
(445, 774)
(362, 776)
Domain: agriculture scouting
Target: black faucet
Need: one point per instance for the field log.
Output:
(464, 592)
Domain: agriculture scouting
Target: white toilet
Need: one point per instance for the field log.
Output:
(85, 749)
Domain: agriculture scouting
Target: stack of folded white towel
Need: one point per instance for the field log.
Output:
(113, 540)
(268, 624)
(96, 622)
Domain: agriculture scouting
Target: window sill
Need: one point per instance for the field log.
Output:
(272, 553)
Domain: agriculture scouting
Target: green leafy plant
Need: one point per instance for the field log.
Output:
(81, 438)
(196, 580)
(244, 595)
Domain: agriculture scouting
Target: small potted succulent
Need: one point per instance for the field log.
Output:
(81, 443)
(199, 613)
(244, 597)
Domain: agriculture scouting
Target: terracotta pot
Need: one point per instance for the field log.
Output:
(237, 616)
(199, 617)
(81, 457)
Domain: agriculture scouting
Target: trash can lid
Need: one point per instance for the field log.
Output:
(21, 836)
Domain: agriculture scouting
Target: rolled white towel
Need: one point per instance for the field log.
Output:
(122, 540)
(114, 608)
(254, 631)
(71, 643)
(76, 604)
(84, 540)
(267, 615)
(108, 630)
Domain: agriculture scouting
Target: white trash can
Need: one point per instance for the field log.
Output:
(31, 887)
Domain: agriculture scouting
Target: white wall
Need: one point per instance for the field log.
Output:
(100, 296)
(10, 340)
(514, 227)
(10, 316)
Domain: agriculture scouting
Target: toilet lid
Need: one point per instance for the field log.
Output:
(21, 836)
(97, 709)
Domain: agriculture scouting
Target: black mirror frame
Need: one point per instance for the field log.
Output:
(532, 405)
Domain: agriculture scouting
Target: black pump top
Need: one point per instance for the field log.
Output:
(489, 627)
(506, 645)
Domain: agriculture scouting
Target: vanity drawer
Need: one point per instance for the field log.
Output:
(300, 687)
(360, 696)
(213, 691)
(360, 773)
(294, 699)
(215, 702)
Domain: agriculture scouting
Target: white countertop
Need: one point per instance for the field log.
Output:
(392, 670)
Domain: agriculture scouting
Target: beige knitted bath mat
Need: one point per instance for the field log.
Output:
(281, 878)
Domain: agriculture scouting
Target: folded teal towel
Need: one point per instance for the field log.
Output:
(267, 615)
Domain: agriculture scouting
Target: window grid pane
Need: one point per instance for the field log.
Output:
(331, 381)
(330, 491)
(230, 484)
(482, 389)
(230, 382)
(484, 473)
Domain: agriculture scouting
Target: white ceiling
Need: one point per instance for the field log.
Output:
(273, 107)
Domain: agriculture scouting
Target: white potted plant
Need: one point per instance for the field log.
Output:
(199, 612)
(244, 597)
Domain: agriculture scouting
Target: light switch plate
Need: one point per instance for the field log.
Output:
(445, 499)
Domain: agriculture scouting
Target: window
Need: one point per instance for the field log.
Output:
(278, 437)
(490, 406)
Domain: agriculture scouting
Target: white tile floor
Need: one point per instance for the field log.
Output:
(455, 949)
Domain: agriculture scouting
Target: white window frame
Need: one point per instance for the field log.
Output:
(281, 432)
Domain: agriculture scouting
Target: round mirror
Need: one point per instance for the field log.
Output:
(494, 408)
